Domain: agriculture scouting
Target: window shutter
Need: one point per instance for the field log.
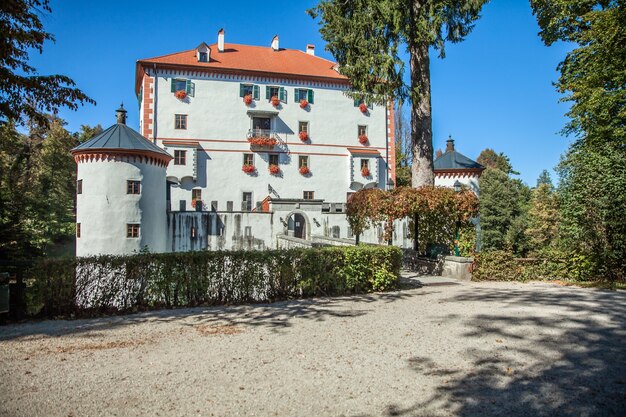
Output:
(255, 92)
(310, 94)
(267, 92)
(173, 85)
(190, 88)
(283, 95)
(357, 102)
(241, 90)
(296, 96)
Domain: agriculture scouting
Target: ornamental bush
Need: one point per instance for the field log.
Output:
(101, 284)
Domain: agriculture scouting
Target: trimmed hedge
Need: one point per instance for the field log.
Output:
(497, 265)
(145, 281)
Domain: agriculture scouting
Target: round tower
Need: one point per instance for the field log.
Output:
(121, 193)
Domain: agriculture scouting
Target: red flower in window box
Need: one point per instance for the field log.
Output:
(248, 169)
(363, 139)
(196, 202)
(275, 101)
(180, 94)
(274, 169)
(263, 141)
(247, 99)
(304, 104)
(304, 170)
(365, 171)
(363, 107)
(304, 136)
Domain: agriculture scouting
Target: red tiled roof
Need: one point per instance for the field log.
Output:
(254, 59)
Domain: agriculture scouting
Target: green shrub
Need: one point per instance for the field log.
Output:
(144, 281)
(500, 265)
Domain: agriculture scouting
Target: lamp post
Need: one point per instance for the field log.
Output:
(457, 189)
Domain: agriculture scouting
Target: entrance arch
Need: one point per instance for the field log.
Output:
(298, 225)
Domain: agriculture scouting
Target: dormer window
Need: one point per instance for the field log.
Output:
(203, 57)
(203, 52)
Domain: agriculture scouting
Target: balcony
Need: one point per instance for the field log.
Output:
(262, 138)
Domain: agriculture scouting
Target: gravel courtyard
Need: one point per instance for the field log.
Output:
(470, 349)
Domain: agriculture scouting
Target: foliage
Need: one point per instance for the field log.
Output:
(543, 218)
(592, 75)
(497, 265)
(24, 95)
(545, 178)
(123, 283)
(467, 240)
(366, 37)
(438, 209)
(490, 159)
(592, 193)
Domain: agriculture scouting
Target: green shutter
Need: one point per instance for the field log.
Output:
(282, 94)
(310, 93)
(173, 85)
(357, 102)
(255, 92)
(241, 90)
(296, 96)
(190, 88)
(267, 92)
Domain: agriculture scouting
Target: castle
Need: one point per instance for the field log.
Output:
(241, 147)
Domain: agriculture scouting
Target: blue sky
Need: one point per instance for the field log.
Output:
(494, 90)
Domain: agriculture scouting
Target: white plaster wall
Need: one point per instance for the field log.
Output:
(103, 209)
(471, 182)
(218, 120)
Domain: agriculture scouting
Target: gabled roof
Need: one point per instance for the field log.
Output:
(253, 59)
(455, 160)
(120, 137)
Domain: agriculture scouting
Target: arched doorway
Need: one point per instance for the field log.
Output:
(296, 226)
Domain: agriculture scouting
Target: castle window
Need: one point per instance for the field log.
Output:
(271, 91)
(203, 57)
(132, 230)
(77, 229)
(183, 85)
(308, 195)
(196, 195)
(361, 130)
(133, 187)
(303, 94)
(365, 163)
(180, 121)
(303, 161)
(180, 157)
(248, 159)
(249, 89)
(246, 204)
(273, 159)
(79, 187)
(303, 127)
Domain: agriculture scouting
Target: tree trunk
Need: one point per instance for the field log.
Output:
(421, 116)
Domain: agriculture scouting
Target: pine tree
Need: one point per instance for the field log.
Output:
(543, 218)
(365, 37)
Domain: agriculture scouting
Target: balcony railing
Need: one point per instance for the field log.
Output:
(261, 133)
(265, 138)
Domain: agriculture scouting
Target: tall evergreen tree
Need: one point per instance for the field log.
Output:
(365, 37)
(24, 95)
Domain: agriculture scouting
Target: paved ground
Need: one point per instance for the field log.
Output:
(471, 349)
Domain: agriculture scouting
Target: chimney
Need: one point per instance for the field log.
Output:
(220, 40)
(449, 144)
(120, 114)
(310, 49)
(275, 43)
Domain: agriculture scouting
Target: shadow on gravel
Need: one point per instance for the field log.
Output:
(575, 365)
(278, 315)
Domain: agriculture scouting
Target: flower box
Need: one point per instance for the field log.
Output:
(274, 169)
(304, 136)
(304, 170)
(365, 172)
(363, 139)
(304, 104)
(262, 141)
(180, 94)
(363, 107)
(198, 203)
(247, 99)
(248, 169)
(275, 101)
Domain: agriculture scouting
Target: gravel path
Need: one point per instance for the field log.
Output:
(472, 349)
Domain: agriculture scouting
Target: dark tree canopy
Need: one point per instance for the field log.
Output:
(24, 94)
(366, 38)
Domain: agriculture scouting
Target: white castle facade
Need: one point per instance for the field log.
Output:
(241, 147)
